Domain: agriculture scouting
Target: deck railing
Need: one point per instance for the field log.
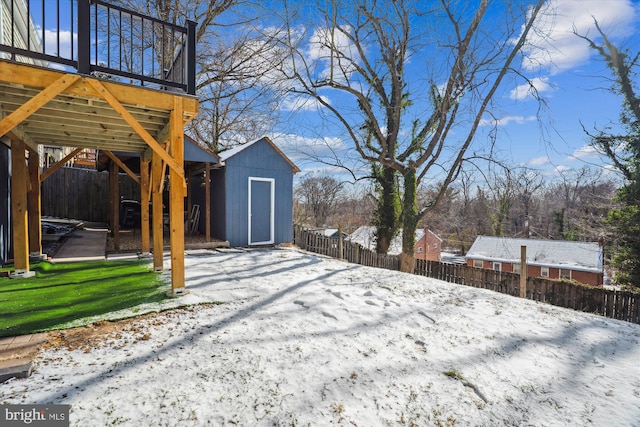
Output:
(95, 37)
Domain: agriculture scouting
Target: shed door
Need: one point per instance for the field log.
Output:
(261, 210)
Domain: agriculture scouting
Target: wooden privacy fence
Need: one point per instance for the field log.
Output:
(609, 303)
(82, 194)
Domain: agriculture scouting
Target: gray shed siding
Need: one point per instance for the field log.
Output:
(257, 161)
(6, 239)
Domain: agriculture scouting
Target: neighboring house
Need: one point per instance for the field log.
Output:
(252, 195)
(330, 232)
(553, 259)
(427, 244)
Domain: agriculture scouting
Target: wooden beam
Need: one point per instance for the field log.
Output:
(176, 202)
(35, 77)
(136, 126)
(156, 205)
(144, 205)
(122, 166)
(32, 105)
(19, 210)
(34, 204)
(47, 173)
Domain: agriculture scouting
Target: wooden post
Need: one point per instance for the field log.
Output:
(523, 271)
(34, 204)
(157, 178)
(114, 192)
(207, 202)
(187, 176)
(144, 205)
(19, 210)
(340, 243)
(176, 201)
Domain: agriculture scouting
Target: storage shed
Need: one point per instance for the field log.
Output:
(252, 195)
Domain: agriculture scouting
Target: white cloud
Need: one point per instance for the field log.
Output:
(539, 161)
(301, 103)
(59, 47)
(507, 120)
(555, 47)
(528, 90)
(334, 52)
(298, 147)
(585, 152)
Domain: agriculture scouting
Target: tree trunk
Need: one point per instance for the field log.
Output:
(410, 218)
(387, 210)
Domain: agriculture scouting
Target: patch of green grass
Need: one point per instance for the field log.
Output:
(60, 293)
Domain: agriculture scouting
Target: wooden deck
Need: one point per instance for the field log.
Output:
(47, 106)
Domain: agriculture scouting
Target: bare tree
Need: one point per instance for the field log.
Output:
(623, 150)
(319, 195)
(419, 130)
(237, 100)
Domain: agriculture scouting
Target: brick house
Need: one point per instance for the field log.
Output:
(427, 245)
(553, 259)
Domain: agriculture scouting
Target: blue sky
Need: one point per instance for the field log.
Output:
(572, 81)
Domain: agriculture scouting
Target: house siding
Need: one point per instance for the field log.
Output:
(259, 160)
(230, 194)
(584, 277)
(426, 243)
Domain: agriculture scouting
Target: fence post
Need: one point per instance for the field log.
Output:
(523, 271)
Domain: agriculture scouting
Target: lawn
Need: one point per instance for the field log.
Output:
(60, 293)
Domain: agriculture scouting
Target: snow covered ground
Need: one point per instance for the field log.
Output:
(306, 340)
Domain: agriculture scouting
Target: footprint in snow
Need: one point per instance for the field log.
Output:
(325, 314)
(370, 302)
(301, 303)
(335, 294)
(422, 313)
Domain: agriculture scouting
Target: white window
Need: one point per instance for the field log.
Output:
(435, 246)
(497, 266)
(544, 271)
(516, 268)
(565, 273)
(477, 263)
(419, 249)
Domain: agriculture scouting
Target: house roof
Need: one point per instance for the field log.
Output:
(235, 150)
(581, 256)
(365, 236)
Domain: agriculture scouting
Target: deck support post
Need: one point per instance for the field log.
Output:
(114, 204)
(19, 210)
(144, 206)
(34, 204)
(156, 205)
(177, 193)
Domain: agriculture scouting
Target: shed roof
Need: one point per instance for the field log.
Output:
(235, 150)
(581, 256)
(193, 152)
